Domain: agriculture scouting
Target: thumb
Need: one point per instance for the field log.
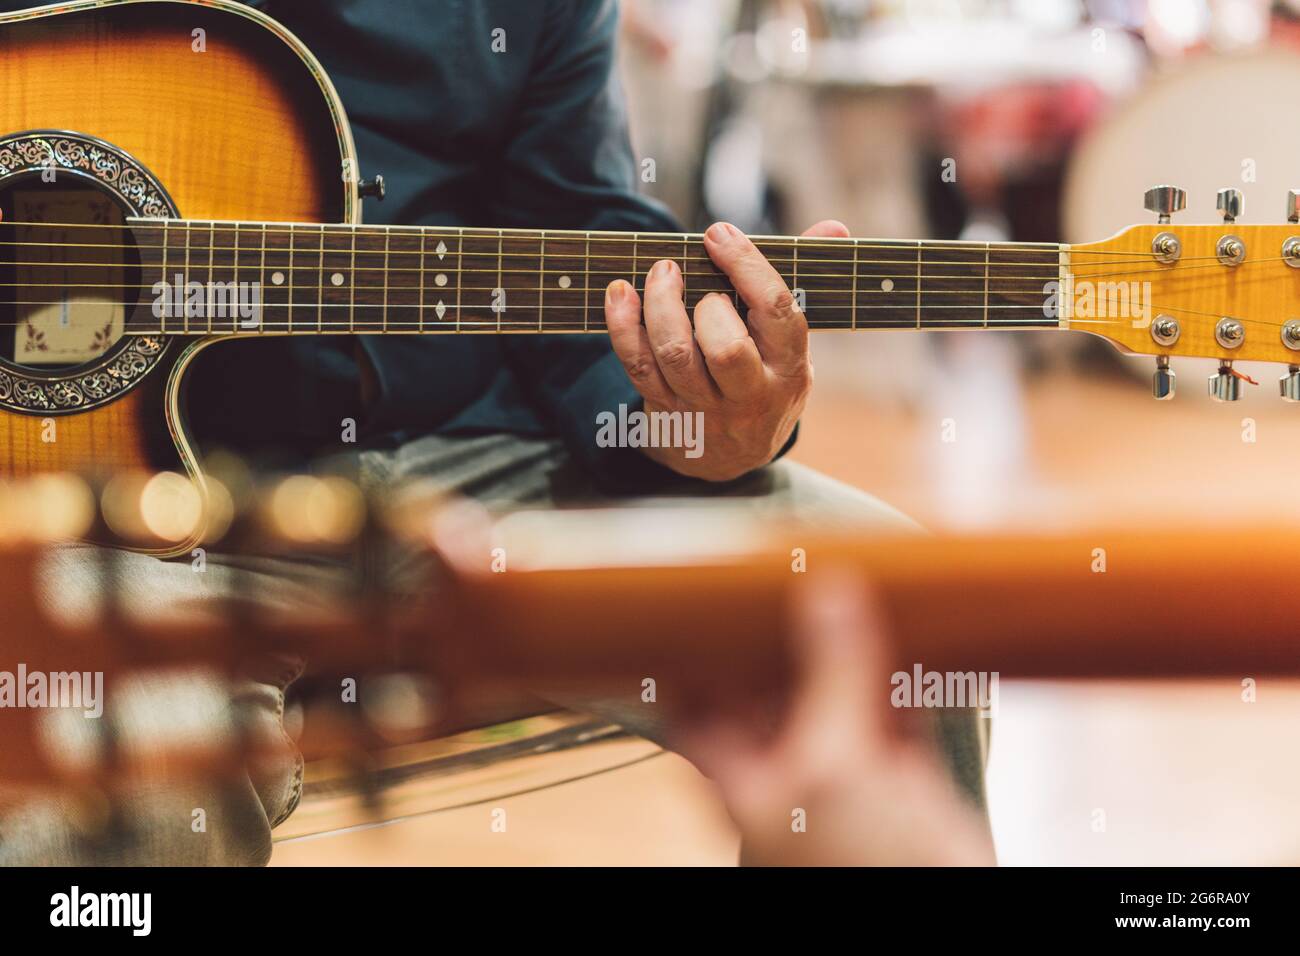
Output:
(840, 704)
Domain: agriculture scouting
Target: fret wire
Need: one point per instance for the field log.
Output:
(320, 284)
(918, 284)
(234, 321)
(541, 283)
(185, 311)
(986, 285)
(686, 255)
(212, 260)
(289, 308)
(423, 237)
(261, 324)
(352, 285)
(636, 269)
(853, 303)
(163, 318)
(501, 241)
(794, 277)
(460, 252)
(387, 236)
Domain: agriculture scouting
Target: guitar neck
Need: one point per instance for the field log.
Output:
(203, 278)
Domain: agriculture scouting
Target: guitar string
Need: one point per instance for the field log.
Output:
(276, 267)
(933, 246)
(905, 280)
(939, 246)
(909, 275)
(910, 262)
(561, 235)
(527, 292)
(1045, 322)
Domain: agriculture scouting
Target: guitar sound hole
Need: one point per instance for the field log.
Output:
(69, 271)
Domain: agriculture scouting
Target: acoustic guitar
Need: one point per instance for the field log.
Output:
(593, 605)
(175, 175)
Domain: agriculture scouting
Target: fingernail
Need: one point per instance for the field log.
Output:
(721, 231)
(616, 291)
(663, 269)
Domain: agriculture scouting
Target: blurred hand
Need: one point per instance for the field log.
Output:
(750, 381)
(870, 795)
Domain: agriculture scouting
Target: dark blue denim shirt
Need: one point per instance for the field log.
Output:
(534, 136)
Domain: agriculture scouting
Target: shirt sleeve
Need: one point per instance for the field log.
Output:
(570, 165)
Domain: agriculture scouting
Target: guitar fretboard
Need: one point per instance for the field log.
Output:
(204, 278)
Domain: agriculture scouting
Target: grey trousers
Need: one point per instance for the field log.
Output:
(231, 825)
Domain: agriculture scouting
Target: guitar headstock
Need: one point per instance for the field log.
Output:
(1225, 291)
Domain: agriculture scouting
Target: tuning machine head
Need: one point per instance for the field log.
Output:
(1230, 202)
(1289, 384)
(1164, 201)
(1225, 385)
(1163, 382)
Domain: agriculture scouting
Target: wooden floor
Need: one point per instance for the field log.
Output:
(655, 811)
(1088, 774)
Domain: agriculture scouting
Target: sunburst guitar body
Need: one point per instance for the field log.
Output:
(156, 109)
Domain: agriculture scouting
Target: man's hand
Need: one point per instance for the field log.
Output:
(750, 381)
(870, 794)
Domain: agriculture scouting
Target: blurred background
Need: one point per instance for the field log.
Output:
(1036, 120)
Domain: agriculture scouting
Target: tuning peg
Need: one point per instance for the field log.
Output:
(1289, 384)
(1224, 385)
(1163, 381)
(1293, 205)
(1164, 201)
(1229, 202)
